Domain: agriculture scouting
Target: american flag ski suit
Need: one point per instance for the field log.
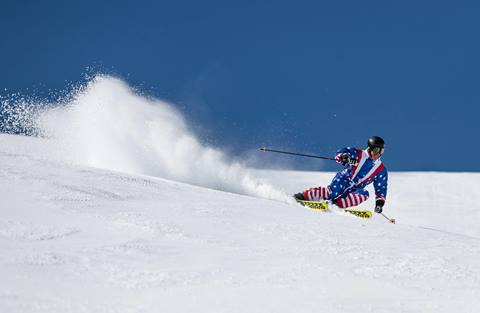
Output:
(347, 187)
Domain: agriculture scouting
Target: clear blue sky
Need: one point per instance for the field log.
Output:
(310, 76)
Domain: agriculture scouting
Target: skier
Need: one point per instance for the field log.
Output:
(360, 168)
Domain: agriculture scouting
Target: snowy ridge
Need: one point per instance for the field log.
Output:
(75, 238)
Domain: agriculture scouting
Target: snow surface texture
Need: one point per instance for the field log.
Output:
(78, 238)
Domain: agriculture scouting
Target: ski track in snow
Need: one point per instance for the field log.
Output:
(80, 239)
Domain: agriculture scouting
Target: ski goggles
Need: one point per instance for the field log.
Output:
(378, 150)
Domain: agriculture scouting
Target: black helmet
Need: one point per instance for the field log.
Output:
(376, 143)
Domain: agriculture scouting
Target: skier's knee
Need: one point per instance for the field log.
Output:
(352, 199)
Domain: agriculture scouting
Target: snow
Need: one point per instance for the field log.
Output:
(81, 239)
(119, 207)
(106, 124)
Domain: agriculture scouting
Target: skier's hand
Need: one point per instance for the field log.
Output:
(343, 159)
(340, 158)
(379, 206)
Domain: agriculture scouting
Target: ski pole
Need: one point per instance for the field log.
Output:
(265, 149)
(391, 220)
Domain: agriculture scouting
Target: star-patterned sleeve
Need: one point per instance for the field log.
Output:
(380, 184)
(350, 151)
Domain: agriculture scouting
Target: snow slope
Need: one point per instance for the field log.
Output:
(75, 238)
(120, 207)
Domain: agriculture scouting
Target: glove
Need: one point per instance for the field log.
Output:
(345, 158)
(379, 206)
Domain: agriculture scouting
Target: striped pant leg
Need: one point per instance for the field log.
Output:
(317, 193)
(352, 199)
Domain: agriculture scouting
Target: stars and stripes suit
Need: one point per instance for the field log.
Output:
(347, 187)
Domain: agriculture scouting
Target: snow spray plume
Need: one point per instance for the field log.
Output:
(107, 125)
(18, 115)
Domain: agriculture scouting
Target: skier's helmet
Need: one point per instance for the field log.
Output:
(376, 144)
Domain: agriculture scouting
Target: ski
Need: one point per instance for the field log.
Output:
(360, 213)
(323, 206)
(314, 205)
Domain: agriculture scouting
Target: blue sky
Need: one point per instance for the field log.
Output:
(308, 76)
